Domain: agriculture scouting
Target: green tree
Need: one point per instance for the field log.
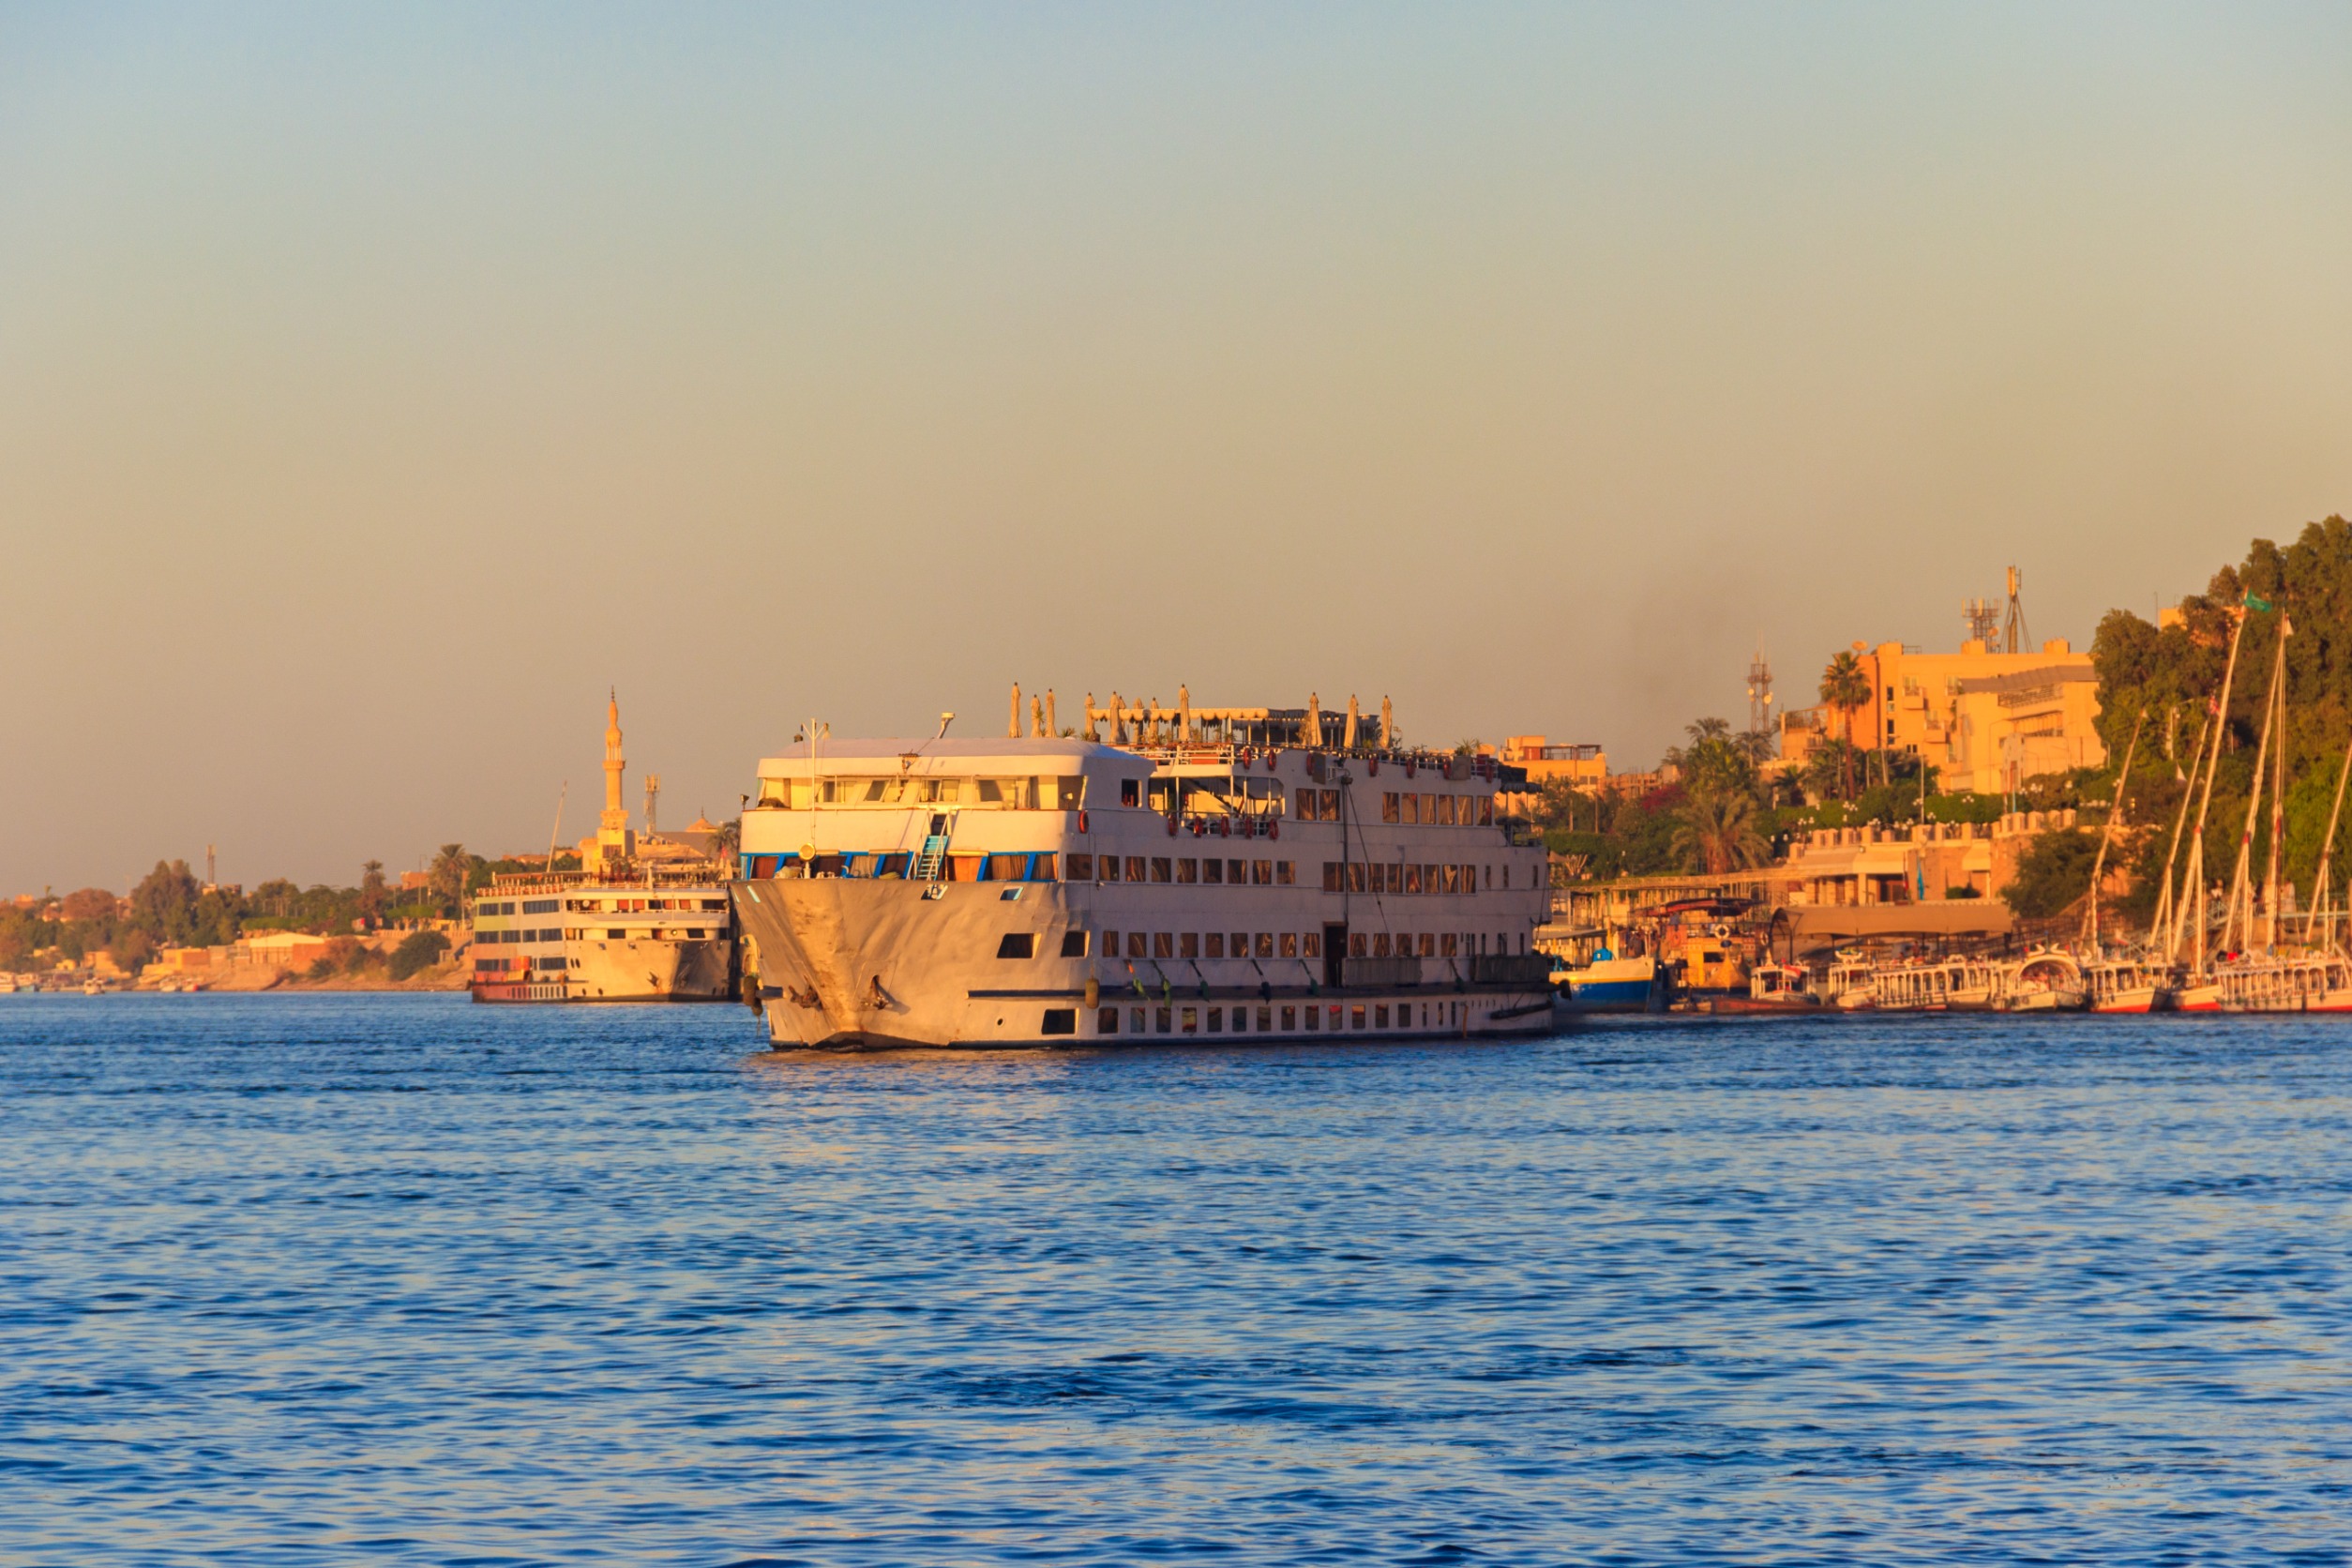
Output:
(374, 892)
(447, 877)
(418, 950)
(1716, 831)
(1845, 688)
(2053, 873)
(163, 905)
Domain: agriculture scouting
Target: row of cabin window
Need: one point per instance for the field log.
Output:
(530, 906)
(1023, 866)
(655, 934)
(1272, 945)
(1377, 876)
(486, 939)
(1322, 806)
(625, 906)
(1181, 868)
(1065, 794)
(1289, 1020)
(522, 962)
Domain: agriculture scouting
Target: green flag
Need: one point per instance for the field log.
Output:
(2253, 603)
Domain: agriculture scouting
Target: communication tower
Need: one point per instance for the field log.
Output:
(1983, 621)
(1759, 695)
(2014, 629)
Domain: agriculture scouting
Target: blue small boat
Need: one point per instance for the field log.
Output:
(1608, 984)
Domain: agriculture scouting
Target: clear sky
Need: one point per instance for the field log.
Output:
(380, 385)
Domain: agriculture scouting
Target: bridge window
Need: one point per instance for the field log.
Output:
(1074, 944)
(1059, 1020)
(1018, 944)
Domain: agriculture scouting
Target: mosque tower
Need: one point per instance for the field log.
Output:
(615, 840)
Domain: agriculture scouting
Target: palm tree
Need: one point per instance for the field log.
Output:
(1717, 828)
(1845, 688)
(451, 868)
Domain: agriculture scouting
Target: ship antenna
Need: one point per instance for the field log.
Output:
(944, 721)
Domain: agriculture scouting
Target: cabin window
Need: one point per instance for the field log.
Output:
(1286, 872)
(1064, 794)
(1447, 945)
(1082, 866)
(1135, 945)
(1265, 1019)
(1131, 791)
(1074, 944)
(1413, 808)
(1390, 811)
(1412, 879)
(1331, 805)
(1355, 1016)
(775, 792)
(1212, 870)
(1487, 878)
(1107, 1021)
(1506, 874)
(1187, 870)
(1111, 945)
(1237, 871)
(1192, 1020)
(1214, 944)
(1307, 805)
(1188, 945)
(1379, 1016)
(1216, 1020)
(1162, 945)
(1261, 873)
(1290, 1017)
(1445, 811)
(1161, 867)
(1396, 877)
(1355, 876)
(1059, 1020)
(1018, 944)
(1162, 793)
(1429, 808)
(1379, 944)
(1312, 942)
(1161, 1020)
(1314, 1017)
(1265, 945)
(1331, 876)
(942, 791)
(1240, 945)
(1008, 868)
(1357, 947)
(1290, 944)
(1135, 1020)
(1135, 868)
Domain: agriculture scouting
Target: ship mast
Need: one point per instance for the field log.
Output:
(2321, 891)
(2159, 926)
(2190, 920)
(2115, 819)
(2237, 926)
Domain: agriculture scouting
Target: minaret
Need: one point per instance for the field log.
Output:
(614, 841)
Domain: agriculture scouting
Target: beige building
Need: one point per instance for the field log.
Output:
(1583, 767)
(1986, 722)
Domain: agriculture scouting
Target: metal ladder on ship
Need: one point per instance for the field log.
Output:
(934, 856)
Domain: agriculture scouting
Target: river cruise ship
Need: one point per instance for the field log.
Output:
(646, 918)
(665, 935)
(1197, 875)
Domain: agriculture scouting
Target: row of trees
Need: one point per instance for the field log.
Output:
(169, 908)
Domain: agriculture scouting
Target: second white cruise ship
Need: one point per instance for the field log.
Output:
(1254, 873)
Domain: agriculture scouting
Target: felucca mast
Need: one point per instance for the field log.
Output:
(2159, 928)
(2236, 927)
(2321, 891)
(2115, 816)
(2191, 915)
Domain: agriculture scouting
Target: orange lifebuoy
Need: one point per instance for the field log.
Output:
(1171, 827)
(1081, 821)
(1273, 830)
(1273, 758)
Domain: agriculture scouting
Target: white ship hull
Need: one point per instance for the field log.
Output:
(844, 963)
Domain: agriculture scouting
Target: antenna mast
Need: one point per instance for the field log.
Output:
(2014, 629)
(1983, 621)
(1759, 695)
(556, 835)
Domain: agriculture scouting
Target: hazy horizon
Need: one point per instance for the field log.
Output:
(382, 385)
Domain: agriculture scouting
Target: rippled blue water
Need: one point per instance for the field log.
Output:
(399, 1279)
